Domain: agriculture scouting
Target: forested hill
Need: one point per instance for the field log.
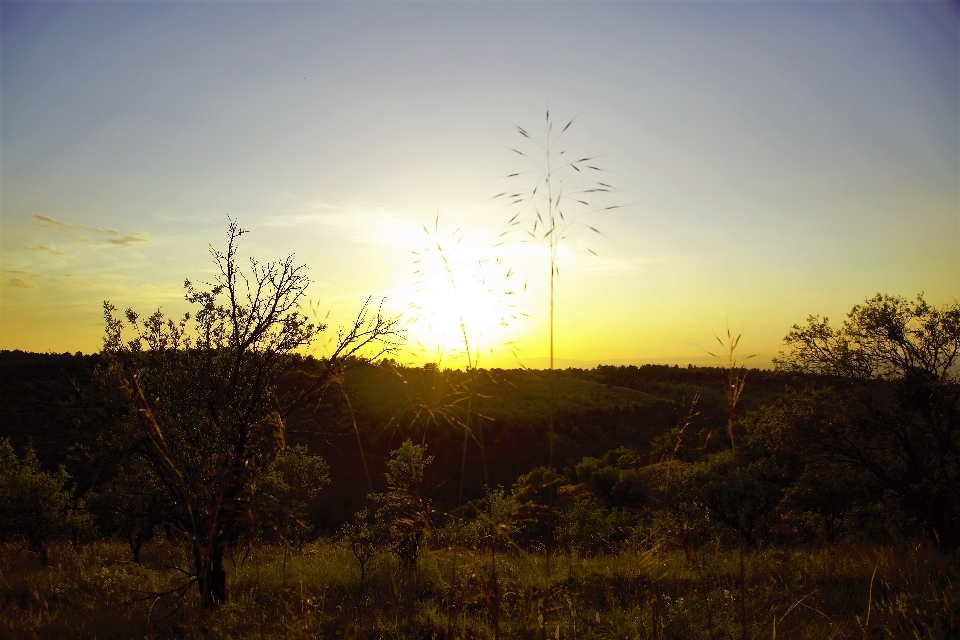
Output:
(56, 402)
(51, 400)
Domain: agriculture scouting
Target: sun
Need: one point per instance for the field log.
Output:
(465, 301)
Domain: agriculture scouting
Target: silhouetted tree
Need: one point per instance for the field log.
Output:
(35, 505)
(207, 413)
(132, 504)
(895, 362)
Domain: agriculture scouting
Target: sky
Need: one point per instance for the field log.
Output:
(771, 161)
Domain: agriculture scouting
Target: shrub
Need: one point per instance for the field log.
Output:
(35, 505)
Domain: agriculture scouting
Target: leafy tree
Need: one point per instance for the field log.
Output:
(132, 504)
(528, 518)
(35, 505)
(820, 500)
(206, 412)
(590, 528)
(742, 493)
(497, 518)
(294, 478)
(898, 419)
(612, 477)
(886, 337)
(404, 506)
(363, 536)
(677, 513)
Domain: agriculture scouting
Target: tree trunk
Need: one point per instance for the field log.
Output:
(218, 579)
(136, 542)
(211, 576)
(36, 544)
(931, 512)
(938, 525)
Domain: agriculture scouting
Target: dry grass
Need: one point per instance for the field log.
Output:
(822, 594)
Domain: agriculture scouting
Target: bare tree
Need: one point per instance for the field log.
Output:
(203, 394)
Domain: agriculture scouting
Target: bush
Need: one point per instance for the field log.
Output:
(590, 529)
(35, 505)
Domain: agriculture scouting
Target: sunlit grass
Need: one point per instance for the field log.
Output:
(812, 593)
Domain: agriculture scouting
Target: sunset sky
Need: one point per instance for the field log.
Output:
(774, 160)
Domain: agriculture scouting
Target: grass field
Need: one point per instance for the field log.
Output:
(839, 592)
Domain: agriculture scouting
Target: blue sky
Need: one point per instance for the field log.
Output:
(775, 160)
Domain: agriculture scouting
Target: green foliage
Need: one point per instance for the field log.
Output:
(497, 520)
(588, 528)
(744, 494)
(405, 468)
(612, 477)
(56, 403)
(293, 478)
(865, 455)
(532, 493)
(132, 504)
(886, 337)
(204, 405)
(591, 419)
(364, 536)
(34, 505)
(905, 433)
(204, 396)
(404, 507)
(677, 515)
(822, 501)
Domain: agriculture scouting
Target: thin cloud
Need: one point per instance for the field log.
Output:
(53, 223)
(110, 236)
(359, 222)
(42, 249)
(129, 239)
(20, 283)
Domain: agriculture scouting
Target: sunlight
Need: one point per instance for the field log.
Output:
(464, 300)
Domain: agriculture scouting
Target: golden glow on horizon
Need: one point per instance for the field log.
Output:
(464, 301)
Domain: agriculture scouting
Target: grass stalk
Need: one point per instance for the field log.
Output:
(866, 622)
(734, 377)
(549, 223)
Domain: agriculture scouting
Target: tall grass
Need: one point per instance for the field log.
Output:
(821, 594)
(561, 193)
(734, 379)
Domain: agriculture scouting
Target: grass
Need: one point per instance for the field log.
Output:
(910, 592)
(560, 194)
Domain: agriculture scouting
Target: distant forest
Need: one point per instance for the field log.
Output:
(611, 419)
(55, 402)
